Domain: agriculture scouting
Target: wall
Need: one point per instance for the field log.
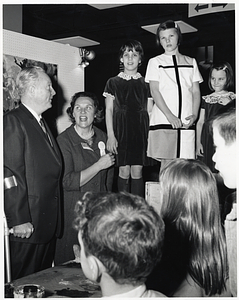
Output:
(12, 17)
(70, 76)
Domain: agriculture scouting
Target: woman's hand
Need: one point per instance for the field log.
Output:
(112, 145)
(106, 161)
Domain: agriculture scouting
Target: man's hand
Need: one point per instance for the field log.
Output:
(23, 231)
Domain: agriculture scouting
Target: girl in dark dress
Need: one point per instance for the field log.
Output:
(220, 82)
(127, 118)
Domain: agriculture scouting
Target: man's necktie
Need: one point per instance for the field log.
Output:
(45, 131)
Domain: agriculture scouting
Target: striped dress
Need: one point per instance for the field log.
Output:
(176, 75)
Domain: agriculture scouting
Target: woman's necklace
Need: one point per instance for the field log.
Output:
(87, 138)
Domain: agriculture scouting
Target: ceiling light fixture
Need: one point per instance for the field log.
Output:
(86, 56)
(106, 6)
(77, 41)
(184, 27)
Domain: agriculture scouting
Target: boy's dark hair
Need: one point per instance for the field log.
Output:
(123, 231)
(167, 25)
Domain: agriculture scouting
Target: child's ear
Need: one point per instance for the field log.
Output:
(121, 60)
(96, 268)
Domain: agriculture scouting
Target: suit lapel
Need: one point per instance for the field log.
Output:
(54, 150)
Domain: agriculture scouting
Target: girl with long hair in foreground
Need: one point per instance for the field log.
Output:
(193, 229)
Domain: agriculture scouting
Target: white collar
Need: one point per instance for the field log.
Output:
(136, 293)
(128, 77)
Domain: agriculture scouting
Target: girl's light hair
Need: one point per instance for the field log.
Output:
(168, 25)
(190, 202)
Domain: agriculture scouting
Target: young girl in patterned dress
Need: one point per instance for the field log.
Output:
(221, 82)
(174, 83)
(127, 118)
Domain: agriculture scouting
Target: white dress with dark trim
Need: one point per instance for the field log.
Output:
(176, 75)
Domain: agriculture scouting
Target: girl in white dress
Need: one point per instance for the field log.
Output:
(174, 83)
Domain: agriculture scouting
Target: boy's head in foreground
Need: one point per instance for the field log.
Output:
(224, 138)
(119, 235)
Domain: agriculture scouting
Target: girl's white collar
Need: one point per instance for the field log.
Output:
(128, 77)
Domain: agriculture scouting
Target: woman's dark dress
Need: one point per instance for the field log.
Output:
(130, 117)
(77, 156)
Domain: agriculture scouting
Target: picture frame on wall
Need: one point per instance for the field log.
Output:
(12, 65)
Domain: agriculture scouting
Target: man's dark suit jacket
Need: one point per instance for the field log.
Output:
(36, 166)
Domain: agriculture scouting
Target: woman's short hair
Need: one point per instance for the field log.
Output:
(167, 25)
(123, 231)
(98, 110)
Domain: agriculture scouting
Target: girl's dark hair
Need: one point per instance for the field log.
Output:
(98, 110)
(167, 25)
(132, 45)
(225, 66)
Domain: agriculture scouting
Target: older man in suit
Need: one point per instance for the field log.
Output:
(32, 174)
